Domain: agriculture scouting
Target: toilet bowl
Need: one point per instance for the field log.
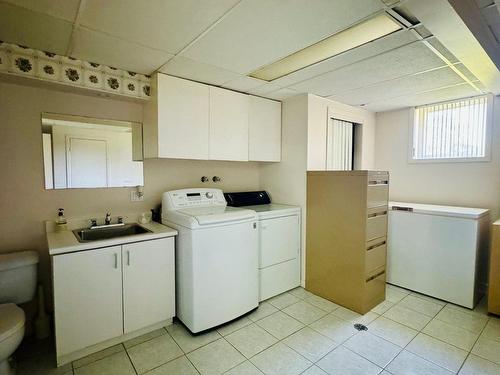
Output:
(18, 273)
(12, 322)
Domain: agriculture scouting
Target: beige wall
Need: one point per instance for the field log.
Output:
(461, 184)
(25, 204)
(320, 110)
(304, 123)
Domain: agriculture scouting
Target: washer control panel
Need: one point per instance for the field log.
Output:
(177, 199)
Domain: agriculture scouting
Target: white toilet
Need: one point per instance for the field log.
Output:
(18, 273)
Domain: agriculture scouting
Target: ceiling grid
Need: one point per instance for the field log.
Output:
(221, 41)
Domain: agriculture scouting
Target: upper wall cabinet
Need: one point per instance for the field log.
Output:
(264, 129)
(228, 125)
(189, 120)
(176, 119)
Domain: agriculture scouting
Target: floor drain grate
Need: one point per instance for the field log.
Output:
(361, 327)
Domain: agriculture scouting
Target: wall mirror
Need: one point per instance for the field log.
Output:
(82, 152)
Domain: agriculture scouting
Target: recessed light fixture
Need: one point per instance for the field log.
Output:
(355, 36)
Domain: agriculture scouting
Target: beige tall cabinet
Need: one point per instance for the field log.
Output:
(494, 284)
(346, 233)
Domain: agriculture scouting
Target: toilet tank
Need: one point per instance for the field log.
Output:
(18, 276)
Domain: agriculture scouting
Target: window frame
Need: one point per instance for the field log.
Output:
(488, 136)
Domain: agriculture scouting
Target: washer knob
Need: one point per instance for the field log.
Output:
(209, 195)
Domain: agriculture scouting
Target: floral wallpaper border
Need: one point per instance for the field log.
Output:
(47, 66)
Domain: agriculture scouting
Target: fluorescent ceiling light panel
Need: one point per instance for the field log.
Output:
(355, 36)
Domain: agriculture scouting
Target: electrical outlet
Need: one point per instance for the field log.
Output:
(134, 196)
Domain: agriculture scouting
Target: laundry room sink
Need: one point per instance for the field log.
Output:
(106, 233)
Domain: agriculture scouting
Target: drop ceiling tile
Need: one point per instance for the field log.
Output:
(93, 46)
(186, 68)
(168, 25)
(410, 59)
(449, 93)
(368, 50)
(244, 83)
(66, 9)
(407, 85)
(32, 29)
(265, 89)
(282, 94)
(258, 32)
(466, 72)
(442, 49)
(480, 86)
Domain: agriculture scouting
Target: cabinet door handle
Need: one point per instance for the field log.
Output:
(128, 258)
(116, 260)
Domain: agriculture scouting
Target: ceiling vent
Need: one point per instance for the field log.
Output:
(405, 13)
(443, 50)
(422, 31)
(390, 3)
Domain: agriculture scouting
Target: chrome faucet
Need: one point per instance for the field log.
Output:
(107, 219)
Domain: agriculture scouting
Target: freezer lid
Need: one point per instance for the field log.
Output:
(431, 209)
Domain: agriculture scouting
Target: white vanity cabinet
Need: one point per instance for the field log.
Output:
(191, 120)
(107, 295)
(148, 283)
(87, 298)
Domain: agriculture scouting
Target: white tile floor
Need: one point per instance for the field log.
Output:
(300, 333)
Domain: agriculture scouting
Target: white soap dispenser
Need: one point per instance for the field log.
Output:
(61, 222)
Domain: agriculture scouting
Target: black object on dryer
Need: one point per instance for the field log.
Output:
(247, 198)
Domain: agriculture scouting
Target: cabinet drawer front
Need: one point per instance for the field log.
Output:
(375, 255)
(375, 290)
(376, 223)
(377, 195)
(87, 298)
(279, 240)
(378, 177)
(279, 278)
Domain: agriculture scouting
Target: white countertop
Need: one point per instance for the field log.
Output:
(65, 241)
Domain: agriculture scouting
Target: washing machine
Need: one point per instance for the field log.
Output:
(217, 257)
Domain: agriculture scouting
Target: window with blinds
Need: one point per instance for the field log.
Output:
(451, 130)
(340, 145)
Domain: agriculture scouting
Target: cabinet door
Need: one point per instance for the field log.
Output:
(87, 298)
(228, 125)
(182, 118)
(279, 240)
(264, 130)
(148, 283)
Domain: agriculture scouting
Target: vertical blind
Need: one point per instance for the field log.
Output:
(339, 145)
(450, 130)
